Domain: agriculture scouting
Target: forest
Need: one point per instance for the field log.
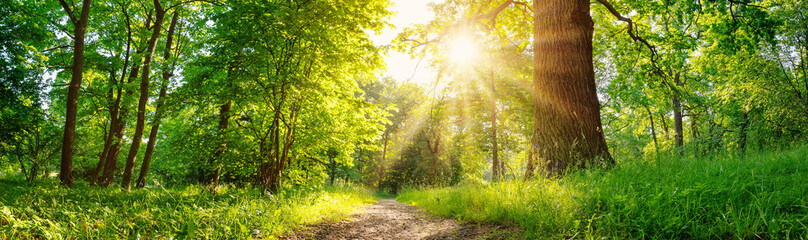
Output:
(278, 119)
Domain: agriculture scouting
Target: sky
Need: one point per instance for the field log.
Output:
(399, 65)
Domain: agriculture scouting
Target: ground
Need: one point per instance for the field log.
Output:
(389, 219)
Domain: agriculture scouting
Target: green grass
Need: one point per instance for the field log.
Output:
(51, 212)
(762, 196)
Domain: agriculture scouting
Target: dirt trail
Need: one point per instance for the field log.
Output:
(389, 219)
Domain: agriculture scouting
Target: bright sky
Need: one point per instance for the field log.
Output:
(399, 65)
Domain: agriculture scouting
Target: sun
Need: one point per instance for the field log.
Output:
(462, 50)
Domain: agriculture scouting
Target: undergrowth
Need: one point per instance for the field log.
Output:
(761, 196)
(190, 212)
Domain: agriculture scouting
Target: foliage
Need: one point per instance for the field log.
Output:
(761, 195)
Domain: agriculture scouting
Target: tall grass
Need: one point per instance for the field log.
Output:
(762, 196)
(50, 212)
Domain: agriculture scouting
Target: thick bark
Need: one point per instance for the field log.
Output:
(567, 129)
(677, 116)
(80, 28)
(496, 171)
(224, 123)
(144, 96)
(158, 115)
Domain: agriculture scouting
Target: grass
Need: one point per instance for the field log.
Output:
(51, 212)
(761, 196)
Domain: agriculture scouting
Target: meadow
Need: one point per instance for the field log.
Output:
(758, 196)
(48, 211)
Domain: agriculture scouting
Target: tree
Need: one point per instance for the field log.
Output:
(160, 13)
(158, 115)
(79, 29)
(567, 130)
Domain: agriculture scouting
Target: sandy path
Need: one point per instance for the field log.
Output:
(389, 219)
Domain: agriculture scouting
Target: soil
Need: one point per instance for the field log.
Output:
(389, 219)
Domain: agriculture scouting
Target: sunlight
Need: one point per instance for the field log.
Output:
(462, 50)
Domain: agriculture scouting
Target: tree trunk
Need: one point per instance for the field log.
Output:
(496, 171)
(224, 123)
(121, 112)
(119, 129)
(107, 142)
(158, 114)
(665, 126)
(113, 121)
(694, 133)
(384, 160)
(742, 133)
(80, 28)
(677, 117)
(531, 164)
(333, 171)
(567, 130)
(144, 95)
(653, 129)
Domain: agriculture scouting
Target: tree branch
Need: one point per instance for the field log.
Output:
(69, 11)
(632, 32)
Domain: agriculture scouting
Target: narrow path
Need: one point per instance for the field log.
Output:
(389, 219)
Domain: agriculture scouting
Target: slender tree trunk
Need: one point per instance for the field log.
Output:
(224, 123)
(711, 145)
(384, 160)
(119, 128)
(333, 171)
(665, 126)
(113, 121)
(80, 28)
(653, 129)
(496, 171)
(694, 133)
(117, 112)
(567, 129)
(677, 117)
(158, 113)
(107, 141)
(742, 133)
(531, 165)
(144, 96)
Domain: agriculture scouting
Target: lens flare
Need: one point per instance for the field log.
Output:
(462, 50)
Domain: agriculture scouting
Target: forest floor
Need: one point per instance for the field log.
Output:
(389, 219)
